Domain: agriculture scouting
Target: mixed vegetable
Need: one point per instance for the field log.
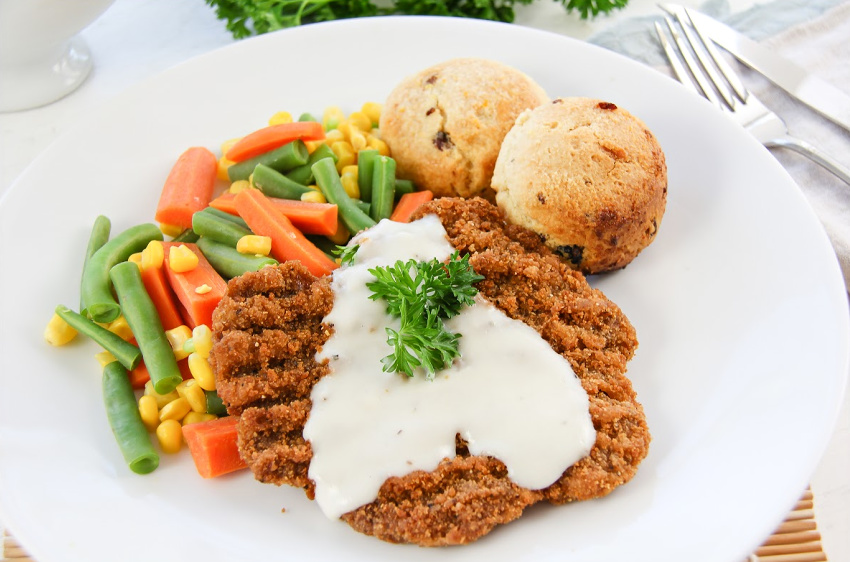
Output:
(295, 190)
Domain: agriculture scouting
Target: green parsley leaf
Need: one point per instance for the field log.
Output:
(421, 294)
(346, 253)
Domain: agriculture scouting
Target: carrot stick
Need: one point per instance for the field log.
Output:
(306, 216)
(188, 187)
(409, 203)
(288, 243)
(162, 296)
(272, 137)
(213, 446)
(198, 306)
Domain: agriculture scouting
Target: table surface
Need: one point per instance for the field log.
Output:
(134, 40)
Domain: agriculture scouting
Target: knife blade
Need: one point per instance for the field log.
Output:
(813, 91)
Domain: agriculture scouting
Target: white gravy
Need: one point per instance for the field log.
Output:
(509, 395)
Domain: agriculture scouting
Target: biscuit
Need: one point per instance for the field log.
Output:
(445, 124)
(588, 177)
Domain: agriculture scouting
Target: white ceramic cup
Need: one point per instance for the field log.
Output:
(42, 58)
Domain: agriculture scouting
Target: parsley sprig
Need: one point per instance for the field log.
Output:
(346, 254)
(421, 294)
(250, 17)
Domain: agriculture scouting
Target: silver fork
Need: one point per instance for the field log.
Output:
(700, 67)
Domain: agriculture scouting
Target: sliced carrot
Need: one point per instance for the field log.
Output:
(288, 243)
(409, 203)
(306, 216)
(197, 306)
(213, 446)
(188, 187)
(272, 137)
(162, 296)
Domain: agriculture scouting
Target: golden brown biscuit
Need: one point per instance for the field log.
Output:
(445, 124)
(588, 177)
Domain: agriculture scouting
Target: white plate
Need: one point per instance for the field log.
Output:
(739, 306)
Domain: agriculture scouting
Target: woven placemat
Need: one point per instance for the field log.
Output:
(796, 540)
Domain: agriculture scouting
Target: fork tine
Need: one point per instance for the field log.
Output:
(698, 47)
(692, 64)
(726, 70)
(679, 70)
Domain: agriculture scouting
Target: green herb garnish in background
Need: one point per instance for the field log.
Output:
(249, 17)
(421, 294)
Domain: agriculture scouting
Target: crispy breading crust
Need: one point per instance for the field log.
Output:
(269, 327)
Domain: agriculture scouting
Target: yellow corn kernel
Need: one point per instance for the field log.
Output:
(195, 417)
(201, 371)
(331, 117)
(177, 337)
(136, 259)
(221, 170)
(194, 395)
(345, 154)
(357, 139)
(153, 255)
(372, 110)
(350, 170)
(254, 244)
(58, 332)
(280, 118)
(202, 339)
(313, 145)
(313, 196)
(161, 399)
(182, 259)
(239, 185)
(228, 144)
(120, 328)
(374, 142)
(174, 410)
(170, 436)
(203, 289)
(350, 184)
(333, 136)
(149, 411)
(362, 121)
(104, 358)
(171, 230)
(341, 236)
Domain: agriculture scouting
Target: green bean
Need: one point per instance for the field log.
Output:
(214, 403)
(363, 205)
(304, 174)
(228, 261)
(141, 315)
(188, 236)
(126, 353)
(328, 180)
(227, 216)
(96, 290)
(210, 225)
(282, 159)
(403, 186)
(98, 237)
(125, 421)
(365, 164)
(275, 184)
(383, 188)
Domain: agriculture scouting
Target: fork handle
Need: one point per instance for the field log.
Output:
(815, 155)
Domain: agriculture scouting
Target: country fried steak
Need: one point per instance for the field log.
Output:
(269, 327)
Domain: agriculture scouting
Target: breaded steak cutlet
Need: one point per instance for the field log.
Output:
(269, 326)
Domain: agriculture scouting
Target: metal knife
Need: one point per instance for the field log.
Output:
(815, 92)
